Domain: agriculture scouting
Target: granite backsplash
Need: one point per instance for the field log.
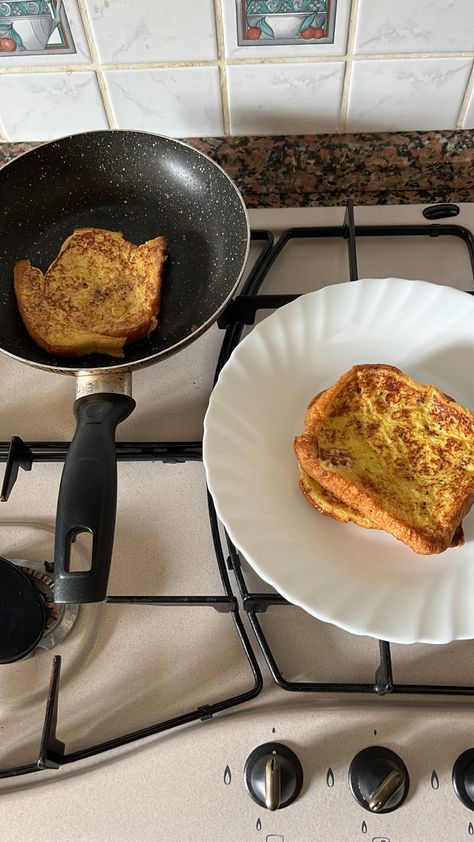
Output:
(323, 170)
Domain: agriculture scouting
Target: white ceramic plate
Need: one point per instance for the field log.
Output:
(362, 580)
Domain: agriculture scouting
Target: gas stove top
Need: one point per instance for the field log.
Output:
(161, 694)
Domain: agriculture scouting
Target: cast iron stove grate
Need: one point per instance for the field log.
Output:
(240, 312)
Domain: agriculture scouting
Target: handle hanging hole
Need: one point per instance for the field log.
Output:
(79, 552)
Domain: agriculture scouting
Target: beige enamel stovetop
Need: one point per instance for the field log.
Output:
(125, 667)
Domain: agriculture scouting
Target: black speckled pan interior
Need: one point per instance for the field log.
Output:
(143, 185)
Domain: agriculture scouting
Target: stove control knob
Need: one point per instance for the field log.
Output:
(378, 779)
(463, 778)
(273, 776)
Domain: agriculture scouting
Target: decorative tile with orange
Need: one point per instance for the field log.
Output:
(295, 22)
(35, 28)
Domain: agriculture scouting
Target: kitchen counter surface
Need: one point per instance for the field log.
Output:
(324, 170)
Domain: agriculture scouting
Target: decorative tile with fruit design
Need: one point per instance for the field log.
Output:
(35, 29)
(285, 22)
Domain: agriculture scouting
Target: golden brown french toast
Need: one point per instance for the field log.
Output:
(397, 454)
(325, 501)
(100, 293)
(328, 504)
(331, 506)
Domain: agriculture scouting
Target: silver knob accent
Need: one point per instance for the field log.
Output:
(272, 784)
(387, 789)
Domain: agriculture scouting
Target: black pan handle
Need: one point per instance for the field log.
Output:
(88, 496)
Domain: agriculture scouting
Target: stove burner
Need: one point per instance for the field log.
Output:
(59, 618)
(16, 613)
(22, 614)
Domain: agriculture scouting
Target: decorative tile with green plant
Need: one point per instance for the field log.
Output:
(285, 22)
(34, 29)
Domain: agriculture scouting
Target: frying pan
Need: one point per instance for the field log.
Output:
(143, 185)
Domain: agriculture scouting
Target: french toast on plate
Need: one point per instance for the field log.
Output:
(385, 452)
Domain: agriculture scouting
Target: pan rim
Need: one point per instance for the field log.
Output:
(186, 340)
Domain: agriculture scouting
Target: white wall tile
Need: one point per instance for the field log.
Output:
(285, 98)
(180, 102)
(43, 106)
(415, 26)
(469, 115)
(153, 30)
(81, 56)
(398, 95)
(272, 51)
(269, 97)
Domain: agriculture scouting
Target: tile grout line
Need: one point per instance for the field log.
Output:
(3, 133)
(221, 63)
(342, 126)
(466, 99)
(347, 57)
(401, 56)
(96, 65)
(40, 68)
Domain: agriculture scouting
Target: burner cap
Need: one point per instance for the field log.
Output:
(22, 614)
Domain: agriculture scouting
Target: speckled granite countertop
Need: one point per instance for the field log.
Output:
(310, 170)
